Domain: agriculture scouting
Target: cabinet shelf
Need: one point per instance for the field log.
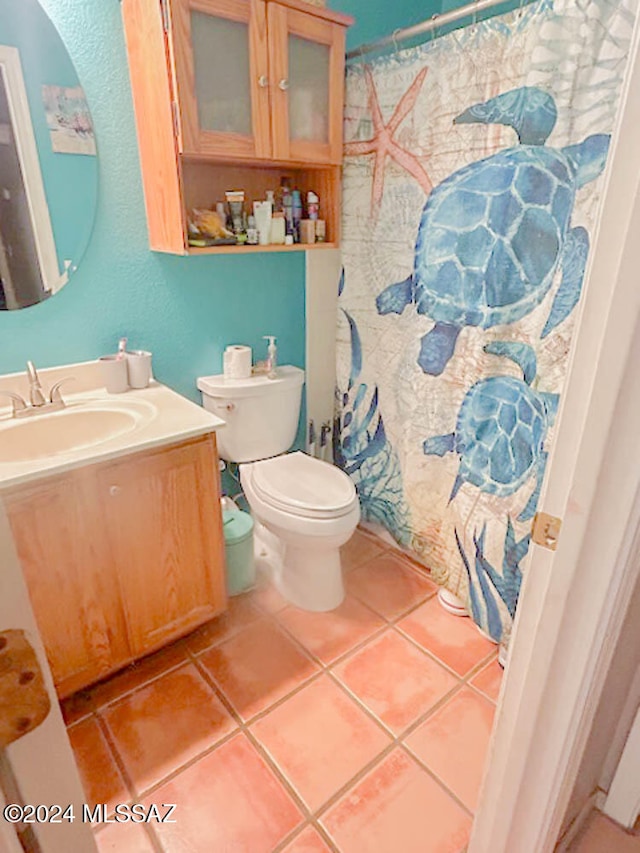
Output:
(240, 250)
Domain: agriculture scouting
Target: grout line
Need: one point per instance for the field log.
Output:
(436, 778)
(155, 841)
(324, 834)
(98, 706)
(106, 734)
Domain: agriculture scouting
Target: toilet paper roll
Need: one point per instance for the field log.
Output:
(237, 362)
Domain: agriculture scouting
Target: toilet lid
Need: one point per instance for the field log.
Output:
(302, 485)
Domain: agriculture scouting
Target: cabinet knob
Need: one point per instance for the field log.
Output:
(263, 81)
(114, 491)
(283, 85)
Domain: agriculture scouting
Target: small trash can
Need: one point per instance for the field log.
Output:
(238, 545)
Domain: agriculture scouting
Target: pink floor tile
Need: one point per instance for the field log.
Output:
(388, 585)
(359, 549)
(454, 640)
(265, 596)
(228, 801)
(309, 841)
(453, 743)
(166, 723)
(397, 807)
(395, 680)
(320, 739)
(602, 835)
(136, 674)
(123, 838)
(329, 635)
(99, 772)
(238, 615)
(489, 680)
(257, 667)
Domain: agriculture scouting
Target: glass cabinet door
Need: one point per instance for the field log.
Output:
(220, 55)
(306, 56)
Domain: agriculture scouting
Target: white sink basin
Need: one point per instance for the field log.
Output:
(70, 429)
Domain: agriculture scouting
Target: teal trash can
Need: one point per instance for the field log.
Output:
(238, 546)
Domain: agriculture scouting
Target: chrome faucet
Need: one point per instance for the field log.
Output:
(39, 403)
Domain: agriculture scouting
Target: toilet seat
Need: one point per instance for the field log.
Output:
(301, 485)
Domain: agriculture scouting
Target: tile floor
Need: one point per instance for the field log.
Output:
(274, 729)
(601, 835)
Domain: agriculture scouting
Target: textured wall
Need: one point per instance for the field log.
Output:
(184, 309)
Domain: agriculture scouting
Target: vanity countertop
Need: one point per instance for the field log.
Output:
(136, 420)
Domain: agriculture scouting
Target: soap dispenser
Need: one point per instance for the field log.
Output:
(272, 358)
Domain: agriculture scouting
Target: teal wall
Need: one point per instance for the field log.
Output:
(378, 18)
(186, 310)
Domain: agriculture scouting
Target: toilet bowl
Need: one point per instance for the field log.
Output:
(312, 508)
(305, 508)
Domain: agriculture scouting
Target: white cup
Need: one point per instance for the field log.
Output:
(114, 373)
(139, 366)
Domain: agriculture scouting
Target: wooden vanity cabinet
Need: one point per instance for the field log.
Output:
(64, 551)
(234, 94)
(121, 557)
(162, 512)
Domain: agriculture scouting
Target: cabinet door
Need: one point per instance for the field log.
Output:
(58, 533)
(306, 60)
(221, 75)
(162, 514)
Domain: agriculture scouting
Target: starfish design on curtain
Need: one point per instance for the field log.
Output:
(383, 143)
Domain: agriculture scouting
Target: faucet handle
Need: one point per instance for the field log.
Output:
(54, 394)
(17, 403)
(36, 393)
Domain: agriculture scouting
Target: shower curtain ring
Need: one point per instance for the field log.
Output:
(394, 39)
(474, 17)
(520, 5)
(434, 28)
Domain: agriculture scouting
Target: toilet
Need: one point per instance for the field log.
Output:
(305, 508)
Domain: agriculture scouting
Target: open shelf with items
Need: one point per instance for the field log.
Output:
(235, 95)
(205, 184)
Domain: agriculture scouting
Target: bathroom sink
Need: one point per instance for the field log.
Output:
(70, 429)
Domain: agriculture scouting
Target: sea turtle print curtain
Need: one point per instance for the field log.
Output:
(473, 175)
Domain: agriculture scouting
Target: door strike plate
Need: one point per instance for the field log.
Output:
(24, 701)
(546, 530)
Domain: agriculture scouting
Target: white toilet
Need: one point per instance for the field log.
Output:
(306, 508)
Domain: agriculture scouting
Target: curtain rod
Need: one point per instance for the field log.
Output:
(424, 27)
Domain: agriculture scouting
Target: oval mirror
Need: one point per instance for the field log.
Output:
(48, 163)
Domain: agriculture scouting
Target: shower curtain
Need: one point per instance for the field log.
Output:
(472, 179)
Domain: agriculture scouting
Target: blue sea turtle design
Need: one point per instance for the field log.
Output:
(493, 234)
(500, 430)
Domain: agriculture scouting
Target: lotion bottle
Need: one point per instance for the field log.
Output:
(272, 357)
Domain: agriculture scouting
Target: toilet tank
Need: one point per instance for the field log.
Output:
(261, 415)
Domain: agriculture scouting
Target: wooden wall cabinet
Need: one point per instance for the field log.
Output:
(121, 557)
(234, 94)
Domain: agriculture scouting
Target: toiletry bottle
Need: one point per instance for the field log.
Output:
(278, 229)
(313, 205)
(287, 206)
(296, 214)
(272, 357)
(252, 231)
(269, 194)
